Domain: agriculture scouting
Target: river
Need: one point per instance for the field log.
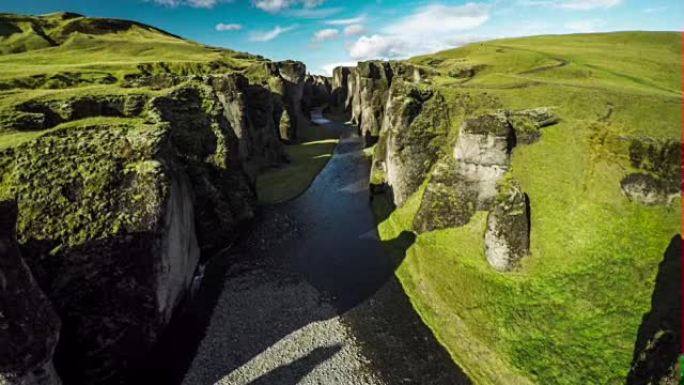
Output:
(308, 296)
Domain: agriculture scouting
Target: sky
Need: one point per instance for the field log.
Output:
(327, 33)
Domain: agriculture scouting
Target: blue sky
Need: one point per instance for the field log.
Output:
(326, 33)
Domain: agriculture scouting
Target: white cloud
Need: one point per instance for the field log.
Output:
(190, 3)
(429, 29)
(377, 46)
(275, 6)
(354, 20)
(228, 27)
(354, 29)
(325, 34)
(327, 69)
(573, 5)
(437, 19)
(312, 13)
(591, 25)
(272, 34)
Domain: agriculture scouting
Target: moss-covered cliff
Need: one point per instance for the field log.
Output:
(125, 173)
(546, 244)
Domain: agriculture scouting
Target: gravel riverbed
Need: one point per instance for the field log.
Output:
(310, 296)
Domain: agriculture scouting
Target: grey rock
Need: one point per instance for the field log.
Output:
(29, 326)
(416, 123)
(507, 238)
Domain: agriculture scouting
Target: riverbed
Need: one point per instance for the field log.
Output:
(309, 296)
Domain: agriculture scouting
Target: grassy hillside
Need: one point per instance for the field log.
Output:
(571, 314)
(58, 56)
(52, 58)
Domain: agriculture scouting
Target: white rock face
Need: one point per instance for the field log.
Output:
(482, 159)
(179, 252)
(484, 150)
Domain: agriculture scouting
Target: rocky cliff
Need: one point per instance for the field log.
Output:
(533, 197)
(396, 103)
(118, 201)
(29, 326)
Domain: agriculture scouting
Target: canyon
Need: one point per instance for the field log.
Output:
(431, 248)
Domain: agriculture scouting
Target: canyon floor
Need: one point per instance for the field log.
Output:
(310, 297)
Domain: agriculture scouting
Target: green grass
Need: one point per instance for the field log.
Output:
(60, 56)
(307, 159)
(570, 315)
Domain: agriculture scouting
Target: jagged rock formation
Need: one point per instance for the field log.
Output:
(113, 215)
(362, 91)
(287, 83)
(507, 239)
(413, 133)
(373, 80)
(340, 90)
(467, 182)
(317, 91)
(657, 179)
(29, 326)
(474, 178)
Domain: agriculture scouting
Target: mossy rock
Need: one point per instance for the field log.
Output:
(449, 200)
(507, 238)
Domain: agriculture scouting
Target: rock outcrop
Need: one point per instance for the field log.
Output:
(658, 176)
(287, 83)
(317, 91)
(340, 90)
(372, 84)
(507, 239)
(475, 177)
(481, 157)
(113, 216)
(413, 134)
(29, 326)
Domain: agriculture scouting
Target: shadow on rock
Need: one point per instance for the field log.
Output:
(657, 347)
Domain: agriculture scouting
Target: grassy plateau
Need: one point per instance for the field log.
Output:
(571, 313)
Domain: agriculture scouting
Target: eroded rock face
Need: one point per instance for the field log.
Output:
(373, 80)
(287, 82)
(466, 180)
(112, 217)
(251, 113)
(29, 326)
(507, 239)
(415, 125)
(340, 90)
(482, 153)
(317, 91)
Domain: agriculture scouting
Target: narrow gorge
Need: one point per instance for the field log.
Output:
(175, 213)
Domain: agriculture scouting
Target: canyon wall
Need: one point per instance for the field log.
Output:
(113, 215)
(395, 104)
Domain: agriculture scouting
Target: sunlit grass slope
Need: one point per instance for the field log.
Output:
(571, 314)
(307, 159)
(64, 55)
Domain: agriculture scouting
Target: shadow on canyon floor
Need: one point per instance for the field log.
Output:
(293, 372)
(658, 343)
(325, 239)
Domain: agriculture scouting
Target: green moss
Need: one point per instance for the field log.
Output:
(87, 182)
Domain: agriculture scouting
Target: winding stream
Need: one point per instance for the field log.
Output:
(309, 296)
